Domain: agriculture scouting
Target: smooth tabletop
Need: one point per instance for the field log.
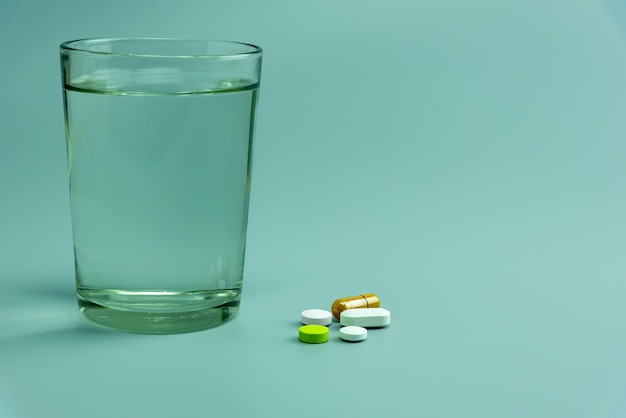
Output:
(466, 161)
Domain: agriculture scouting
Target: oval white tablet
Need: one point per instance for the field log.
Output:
(353, 333)
(366, 317)
(316, 317)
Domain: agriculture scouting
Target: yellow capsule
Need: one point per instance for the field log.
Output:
(367, 300)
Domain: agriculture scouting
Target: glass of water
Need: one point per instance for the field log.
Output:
(159, 147)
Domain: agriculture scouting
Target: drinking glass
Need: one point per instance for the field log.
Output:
(159, 148)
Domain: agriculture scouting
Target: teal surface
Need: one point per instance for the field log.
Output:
(463, 160)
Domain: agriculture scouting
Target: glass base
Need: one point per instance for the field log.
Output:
(158, 312)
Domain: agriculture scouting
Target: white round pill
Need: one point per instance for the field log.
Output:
(353, 333)
(316, 317)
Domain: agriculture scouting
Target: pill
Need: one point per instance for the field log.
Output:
(353, 333)
(368, 300)
(316, 316)
(369, 318)
(313, 334)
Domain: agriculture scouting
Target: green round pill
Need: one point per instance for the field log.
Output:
(313, 334)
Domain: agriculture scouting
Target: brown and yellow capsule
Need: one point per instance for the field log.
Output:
(367, 300)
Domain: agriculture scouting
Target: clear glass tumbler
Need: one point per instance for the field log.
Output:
(159, 146)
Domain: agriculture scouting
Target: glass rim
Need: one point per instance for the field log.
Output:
(81, 46)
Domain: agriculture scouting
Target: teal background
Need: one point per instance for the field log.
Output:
(463, 160)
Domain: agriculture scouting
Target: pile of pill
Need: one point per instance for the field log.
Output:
(354, 313)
